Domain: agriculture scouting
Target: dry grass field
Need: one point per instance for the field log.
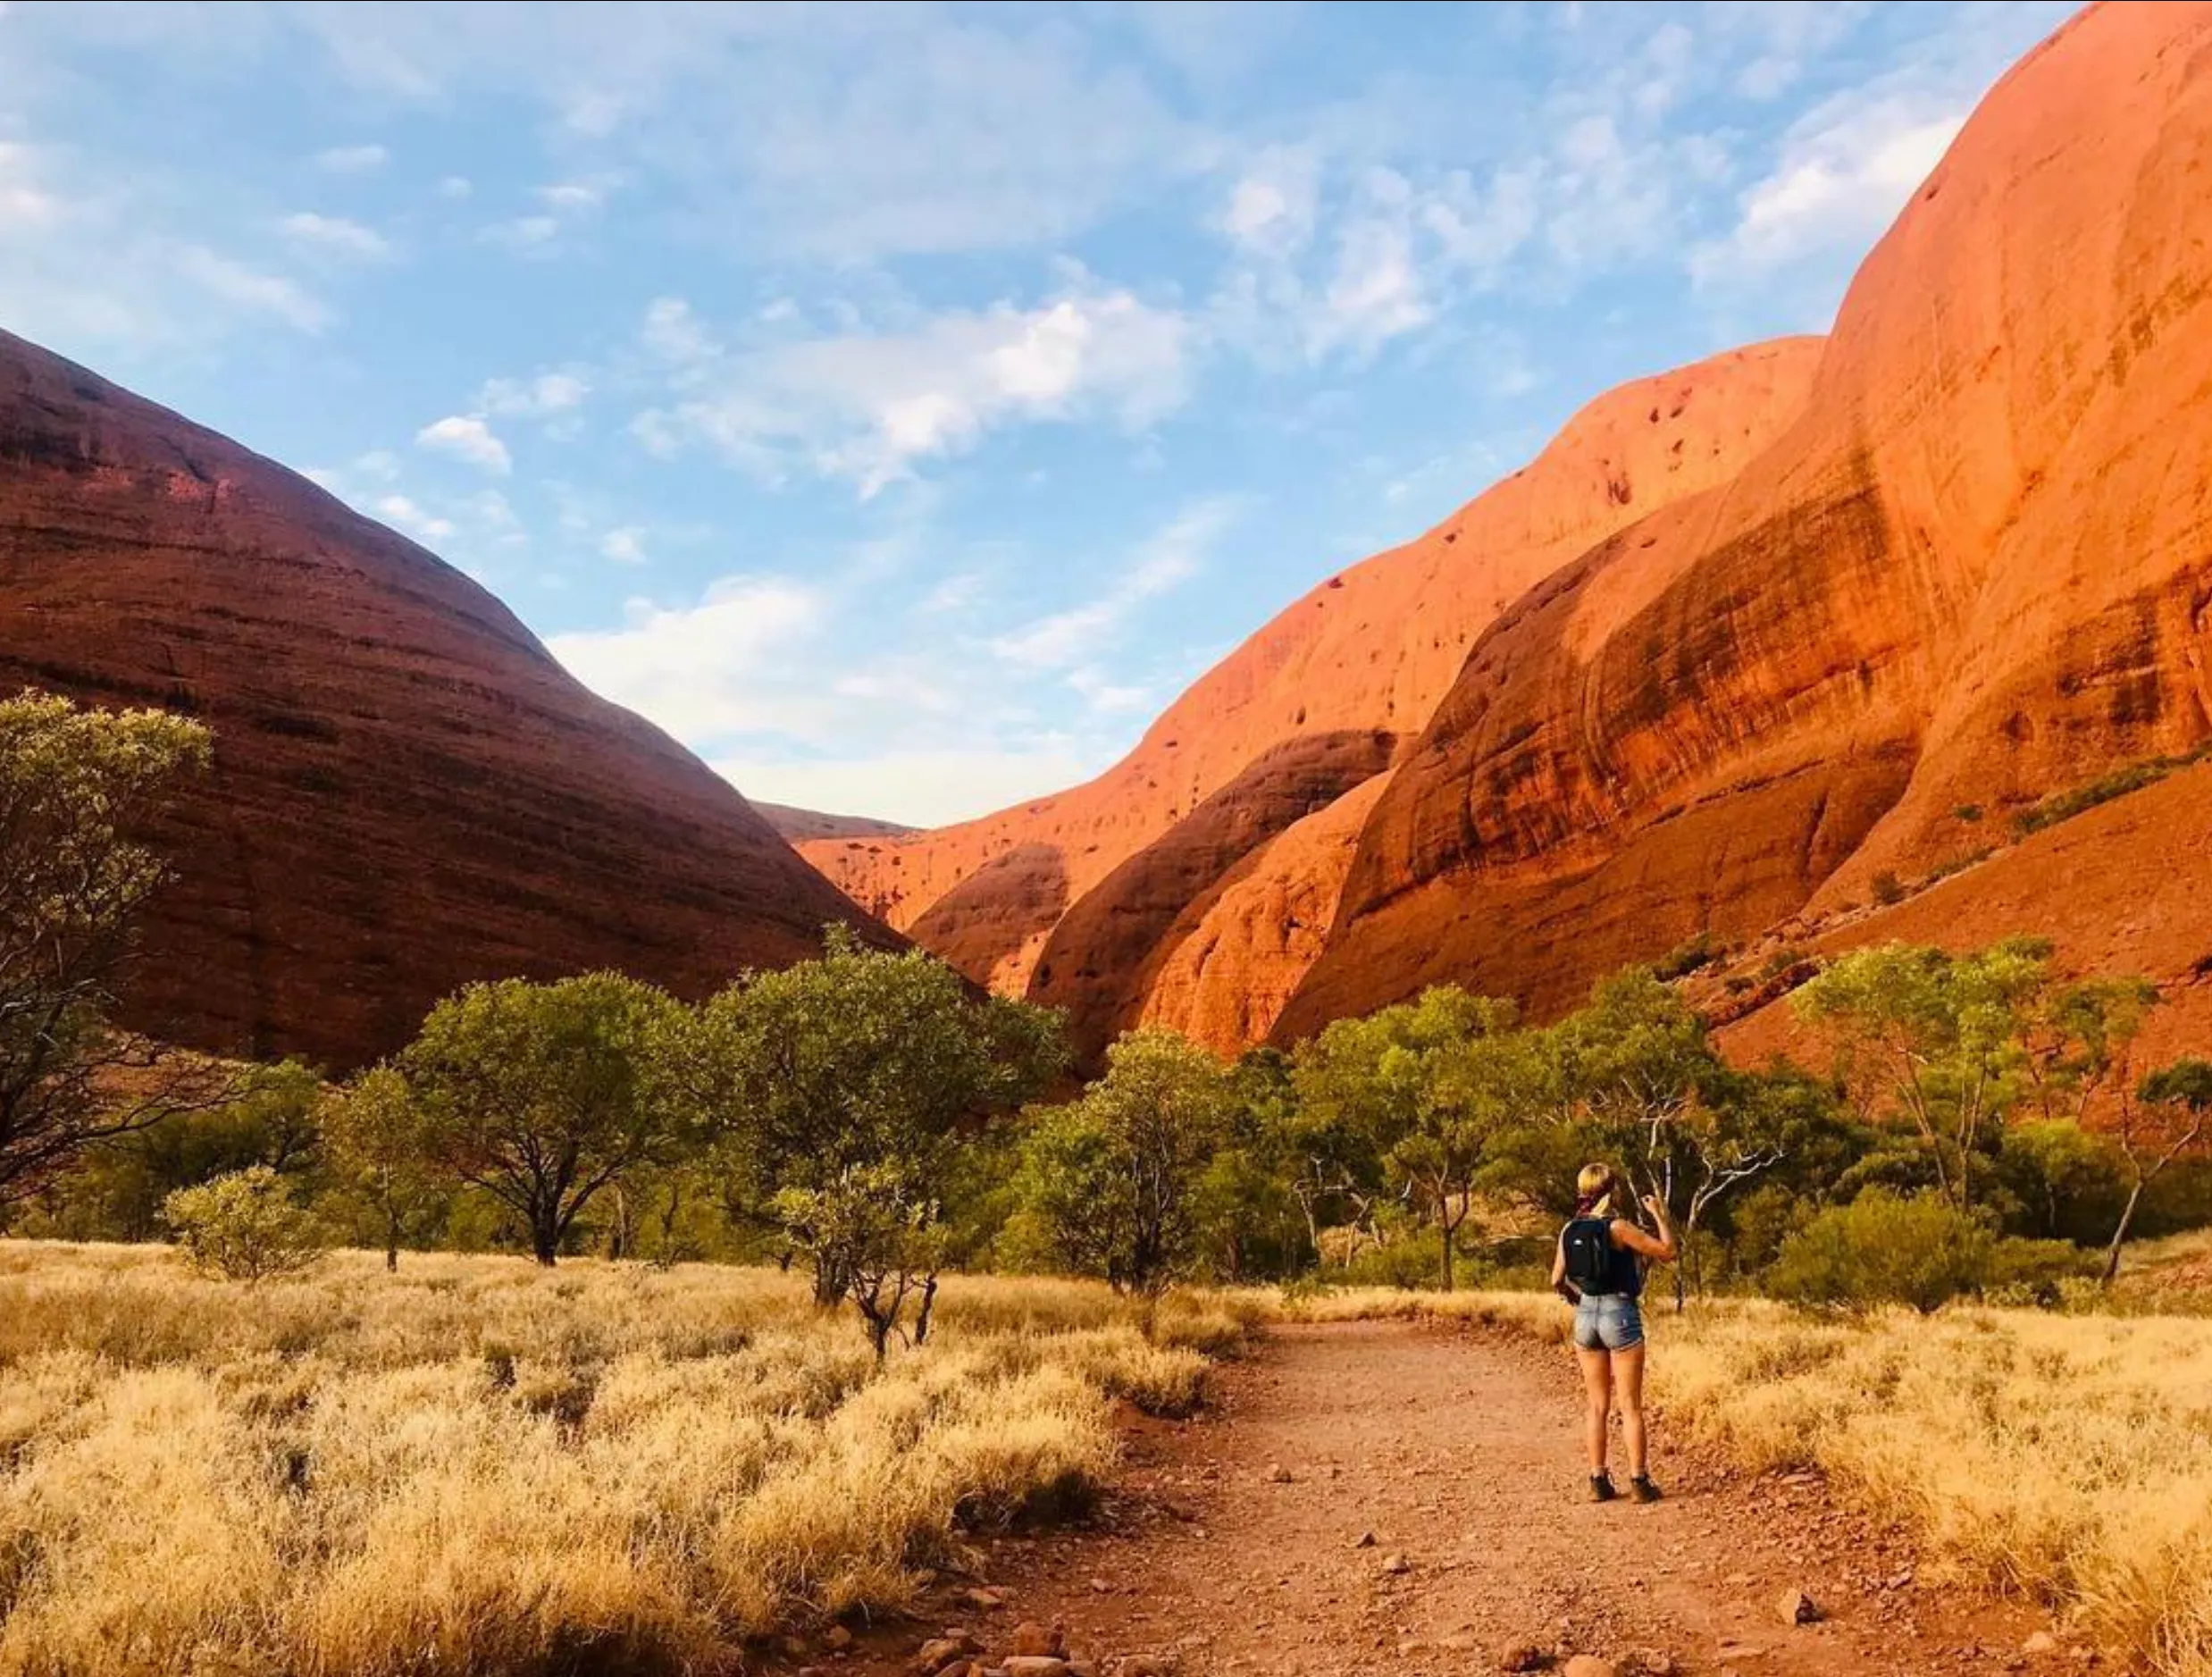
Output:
(2065, 1455)
(477, 1466)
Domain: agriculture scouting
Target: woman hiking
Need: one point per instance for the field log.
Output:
(1599, 1266)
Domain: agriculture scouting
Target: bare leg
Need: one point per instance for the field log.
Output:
(1629, 1370)
(1597, 1386)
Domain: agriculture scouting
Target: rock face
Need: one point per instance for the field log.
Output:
(1978, 569)
(1365, 655)
(1743, 639)
(408, 792)
(2118, 889)
(795, 825)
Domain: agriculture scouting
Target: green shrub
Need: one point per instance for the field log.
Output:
(1885, 1248)
(2035, 1272)
(1968, 813)
(2118, 783)
(1781, 961)
(244, 1227)
(1888, 888)
(1687, 957)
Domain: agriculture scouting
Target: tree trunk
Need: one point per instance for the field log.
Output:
(1446, 1228)
(929, 1300)
(2119, 1234)
(391, 1245)
(1688, 1256)
(829, 1282)
(544, 1235)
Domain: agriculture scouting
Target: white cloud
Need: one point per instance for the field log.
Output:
(704, 672)
(624, 546)
(673, 332)
(455, 186)
(546, 394)
(352, 160)
(923, 786)
(868, 405)
(249, 289)
(22, 204)
(1076, 636)
(467, 437)
(400, 512)
(1106, 696)
(815, 133)
(570, 197)
(336, 235)
(1841, 179)
(953, 593)
(1271, 207)
(525, 235)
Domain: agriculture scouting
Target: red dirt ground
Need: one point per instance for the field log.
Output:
(1460, 1454)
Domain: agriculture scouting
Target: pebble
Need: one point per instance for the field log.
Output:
(1796, 1607)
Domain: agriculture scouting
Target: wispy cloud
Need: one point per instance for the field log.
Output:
(1078, 634)
(337, 236)
(467, 437)
(352, 160)
(869, 404)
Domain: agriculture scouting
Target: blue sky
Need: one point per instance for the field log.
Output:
(900, 405)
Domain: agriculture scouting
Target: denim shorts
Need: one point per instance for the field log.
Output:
(1608, 1321)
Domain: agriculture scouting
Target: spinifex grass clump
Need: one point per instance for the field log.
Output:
(476, 1466)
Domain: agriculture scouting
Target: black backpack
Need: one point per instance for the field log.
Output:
(1588, 1244)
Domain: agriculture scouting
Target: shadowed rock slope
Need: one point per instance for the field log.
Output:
(408, 792)
(1976, 570)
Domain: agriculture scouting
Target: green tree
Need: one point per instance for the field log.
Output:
(883, 1233)
(1112, 1178)
(77, 789)
(544, 1095)
(116, 1189)
(244, 1227)
(2066, 1180)
(858, 1059)
(2170, 1119)
(1431, 1085)
(1325, 1160)
(1934, 1041)
(1884, 1248)
(380, 1145)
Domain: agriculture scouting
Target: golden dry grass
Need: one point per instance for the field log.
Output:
(2068, 1457)
(476, 1466)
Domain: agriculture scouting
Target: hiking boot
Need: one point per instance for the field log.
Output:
(1601, 1487)
(1643, 1490)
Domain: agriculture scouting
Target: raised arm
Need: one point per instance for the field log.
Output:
(1559, 1260)
(1662, 1247)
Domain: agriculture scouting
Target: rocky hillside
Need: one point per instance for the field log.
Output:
(1977, 571)
(1745, 641)
(408, 792)
(1277, 745)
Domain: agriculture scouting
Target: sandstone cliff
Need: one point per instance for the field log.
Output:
(1977, 568)
(1365, 654)
(408, 792)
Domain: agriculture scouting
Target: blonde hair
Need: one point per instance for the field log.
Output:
(1593, 1190)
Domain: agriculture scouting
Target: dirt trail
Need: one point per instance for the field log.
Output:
(1460, 1454)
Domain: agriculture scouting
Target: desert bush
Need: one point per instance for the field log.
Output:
(474, 1466)
(243, 1227)
(1888, 890)
(1884, 1248)
(2062, 806)
(1687, 957)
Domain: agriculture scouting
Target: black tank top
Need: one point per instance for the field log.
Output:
(1624, 1276)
